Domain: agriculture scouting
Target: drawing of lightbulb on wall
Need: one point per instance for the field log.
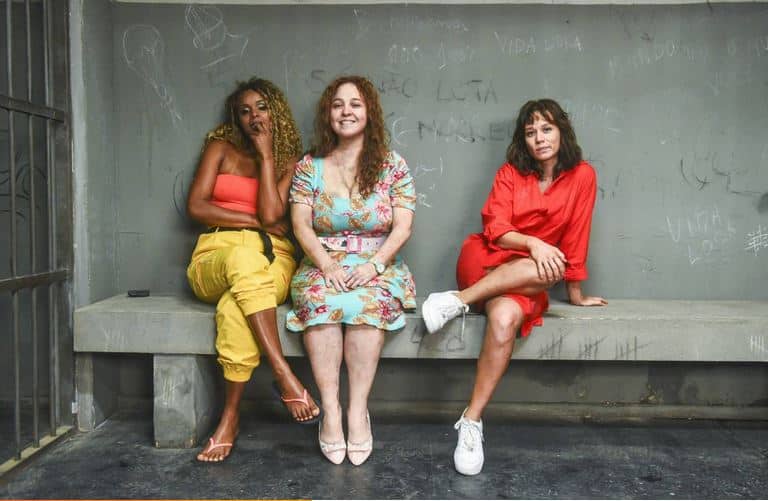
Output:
(143, 51)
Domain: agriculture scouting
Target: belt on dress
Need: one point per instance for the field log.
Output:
(352, 244)
(266, 242)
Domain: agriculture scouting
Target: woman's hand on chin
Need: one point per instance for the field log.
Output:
(262, 140)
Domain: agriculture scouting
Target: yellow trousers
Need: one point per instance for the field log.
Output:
(229, 268)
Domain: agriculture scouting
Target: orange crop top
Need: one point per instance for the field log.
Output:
(237, 193)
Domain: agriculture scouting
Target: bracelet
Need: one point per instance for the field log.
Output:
(379, 267)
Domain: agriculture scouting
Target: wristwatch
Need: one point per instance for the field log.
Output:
(380, 267)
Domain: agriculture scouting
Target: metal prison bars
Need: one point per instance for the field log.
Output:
(48, 173)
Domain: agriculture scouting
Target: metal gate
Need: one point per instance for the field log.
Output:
(36, 360)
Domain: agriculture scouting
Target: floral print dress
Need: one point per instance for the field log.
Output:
(380, 302)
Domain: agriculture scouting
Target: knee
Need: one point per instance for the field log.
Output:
(248, 272)
(503, 325)
(533, 278)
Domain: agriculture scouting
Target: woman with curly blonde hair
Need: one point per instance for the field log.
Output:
(244, 262)
(352, 205)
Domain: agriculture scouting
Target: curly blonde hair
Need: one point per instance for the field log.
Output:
(376, 141)
(286, 139)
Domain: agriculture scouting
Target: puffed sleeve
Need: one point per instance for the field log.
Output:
(303, 184)
(497, 211)
(575, 240)
(402, 191)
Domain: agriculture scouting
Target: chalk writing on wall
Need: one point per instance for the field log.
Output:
(676, 51)
(453, 128)
(143, 52)
(223, 50)
(758, 344)
(422, 173)
(704, 233)
(757, 240)
(529, 45)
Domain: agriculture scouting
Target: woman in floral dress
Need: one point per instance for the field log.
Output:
(352, 204)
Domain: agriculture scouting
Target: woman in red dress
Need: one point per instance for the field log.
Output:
(536, 224)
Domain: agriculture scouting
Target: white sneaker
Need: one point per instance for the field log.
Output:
(439, 307)
(468, 457)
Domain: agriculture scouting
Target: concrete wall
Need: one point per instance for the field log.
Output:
(424, 384)
(93, 117)
(668, 103)
(693, 207)
(95, 168)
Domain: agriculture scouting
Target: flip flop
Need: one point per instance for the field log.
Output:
(213, 446)
(304, 400)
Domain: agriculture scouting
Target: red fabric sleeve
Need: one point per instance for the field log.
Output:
(497, 211)
(575, 240)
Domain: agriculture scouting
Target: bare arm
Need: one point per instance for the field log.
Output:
(273, 196)
(575, 296)
(301, 217)
(199, 206)
(402, 225)
(272, 200)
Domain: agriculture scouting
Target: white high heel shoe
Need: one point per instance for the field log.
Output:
(359, 452)
(333, 451)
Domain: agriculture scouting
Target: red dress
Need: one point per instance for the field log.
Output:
(561, 216)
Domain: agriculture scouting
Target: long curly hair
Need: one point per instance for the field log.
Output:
(286, 139)
(569, 154)
(376, 141)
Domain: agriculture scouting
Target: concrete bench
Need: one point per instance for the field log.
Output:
(179, 333)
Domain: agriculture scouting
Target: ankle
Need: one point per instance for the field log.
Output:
(357, 413)
(331, 409)
(230, 413)
(281, 371)
(462, 297)
(472, 414)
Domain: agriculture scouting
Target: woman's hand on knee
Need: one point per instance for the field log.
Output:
(361, 275)
(550, 261)
(335, 277)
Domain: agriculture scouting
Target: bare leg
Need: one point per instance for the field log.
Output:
(324, 344)
(504, 319)
(362, 349)
(264, 326)
(229, 425)
(518, 277)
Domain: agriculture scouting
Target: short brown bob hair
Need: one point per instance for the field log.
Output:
(570, 152)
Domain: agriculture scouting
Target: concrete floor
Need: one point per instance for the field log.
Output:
(656, 459)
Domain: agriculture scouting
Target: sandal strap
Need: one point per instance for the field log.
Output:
(304, 400)
(213, 445)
